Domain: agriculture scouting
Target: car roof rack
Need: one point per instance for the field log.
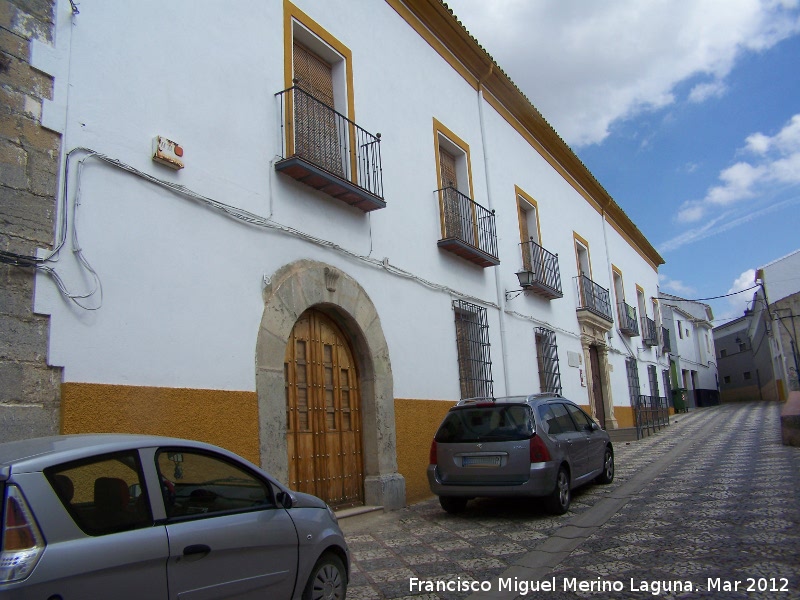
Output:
(475, 400)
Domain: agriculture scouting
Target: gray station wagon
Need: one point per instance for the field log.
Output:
(129, 516)
(539, 445)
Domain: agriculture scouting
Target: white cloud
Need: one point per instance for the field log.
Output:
(703, 91)
(746, 280)
(776, 163)
(586, 65)
(738, 304)
(675, 286)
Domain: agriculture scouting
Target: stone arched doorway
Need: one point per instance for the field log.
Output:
(323, 417)
(291, 291)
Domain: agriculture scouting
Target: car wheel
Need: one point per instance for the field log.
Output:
(453, 505)
(607, 476)
(558, 500)
(328, 579)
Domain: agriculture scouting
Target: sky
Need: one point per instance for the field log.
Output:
(687, 112)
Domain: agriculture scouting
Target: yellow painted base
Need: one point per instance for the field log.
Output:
(416, 423)
(225, 418)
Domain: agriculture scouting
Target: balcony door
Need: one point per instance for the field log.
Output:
(317, 137)
(459, 214)
(323, 423)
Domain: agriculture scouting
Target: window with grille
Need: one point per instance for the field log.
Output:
(474, 358)
(547, 359)
(652, 374)
(633, 380)
(667, 386)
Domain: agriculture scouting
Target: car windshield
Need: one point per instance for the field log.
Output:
(486, 423)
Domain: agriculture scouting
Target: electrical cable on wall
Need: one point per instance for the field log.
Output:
(41, 263)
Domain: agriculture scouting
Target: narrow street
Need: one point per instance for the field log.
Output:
(707, 508)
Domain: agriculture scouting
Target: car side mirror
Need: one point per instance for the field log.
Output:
(284, 499)
(593, 427)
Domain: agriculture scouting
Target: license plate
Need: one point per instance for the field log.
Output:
(480, 461)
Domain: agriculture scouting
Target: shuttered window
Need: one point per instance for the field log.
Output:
(474, 358)
(316, 134)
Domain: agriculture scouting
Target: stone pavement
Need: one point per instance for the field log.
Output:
(712, 500)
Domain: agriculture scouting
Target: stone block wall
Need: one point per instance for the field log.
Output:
(29, 164)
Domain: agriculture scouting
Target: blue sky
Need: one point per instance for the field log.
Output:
(688, 113)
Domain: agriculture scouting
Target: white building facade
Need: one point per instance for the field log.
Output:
(327, 252)
(693, 359)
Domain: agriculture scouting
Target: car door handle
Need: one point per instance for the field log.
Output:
(196, 549)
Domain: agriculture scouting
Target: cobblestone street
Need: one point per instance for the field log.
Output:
(713, 499)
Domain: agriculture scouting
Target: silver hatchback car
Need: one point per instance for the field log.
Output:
(538, 445)
(130, 516)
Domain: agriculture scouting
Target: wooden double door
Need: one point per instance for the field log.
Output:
(323, 414)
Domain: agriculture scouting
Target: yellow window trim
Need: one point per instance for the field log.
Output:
(577, 239)
(520, 193)
(439, 130)
(291, 14)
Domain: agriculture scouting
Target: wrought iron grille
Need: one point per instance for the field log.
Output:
(316, 132)
(547, 359)
(594, 298)
(634, 389)
(652, 375)
(474, 358)
(667, 386)
(651, 414)
(543, 265)
(649, 332)
(468, 221)
(666, 344)
(627, 318)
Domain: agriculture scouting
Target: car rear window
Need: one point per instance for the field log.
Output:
(103, 494)
(487, 423)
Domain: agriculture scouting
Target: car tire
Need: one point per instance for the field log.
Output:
(328, 579)
(558, 501)
(453, 505)
(607, 476)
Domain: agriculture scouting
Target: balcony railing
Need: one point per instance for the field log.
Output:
(649, 332)
(628, 323)
(593, 298)
(544, 267)
(666, 345)
(468, 229)
(327, 151)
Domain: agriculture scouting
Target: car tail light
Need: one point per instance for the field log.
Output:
(432, 459)
(539, 451)
(21, 541)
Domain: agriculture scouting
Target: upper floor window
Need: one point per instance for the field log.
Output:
(468, 229)
(472, 343)
(322, 146)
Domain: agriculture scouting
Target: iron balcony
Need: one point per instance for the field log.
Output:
(543, 265)
(649, 332)
(666, 345)
(593, 298)
(628, 323)
(328, 152)
(468, 229)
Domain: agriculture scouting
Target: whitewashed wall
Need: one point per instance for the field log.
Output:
(182, 284)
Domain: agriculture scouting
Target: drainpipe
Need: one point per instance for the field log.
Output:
(501, 296)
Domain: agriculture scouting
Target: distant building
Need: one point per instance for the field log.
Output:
(760, 360)
(739, 380)
(693, 363)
